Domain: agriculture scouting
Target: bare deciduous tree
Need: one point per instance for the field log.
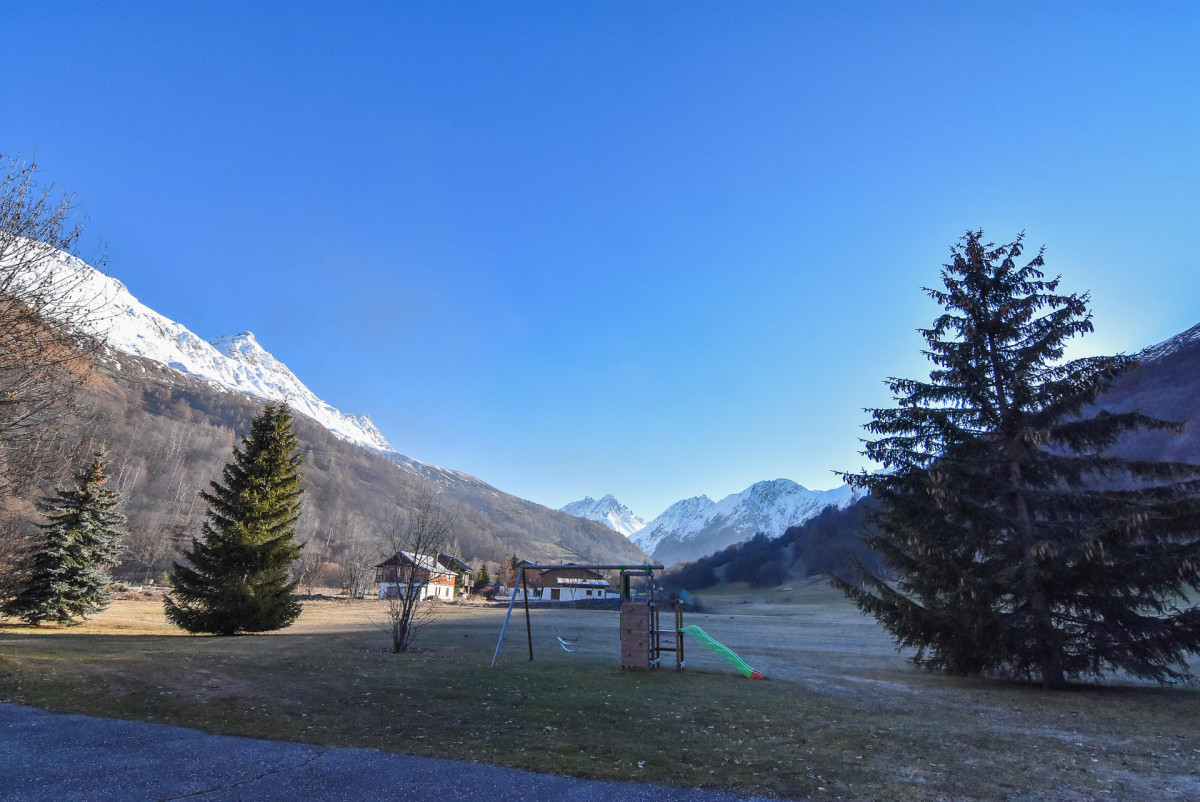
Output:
(357, 562)
(415, 538)
(311, 565)
(44, 356)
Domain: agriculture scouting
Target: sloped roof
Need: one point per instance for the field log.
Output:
(573, 576)
(428, 562)
(454, 564)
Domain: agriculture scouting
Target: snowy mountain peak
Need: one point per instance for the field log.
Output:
(697, 526)
(689, 507)
(236, 362)
(773, 489)
(243, 344)
(608, 511)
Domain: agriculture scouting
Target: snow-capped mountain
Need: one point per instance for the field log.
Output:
(147, 355)
(698, 526)
(608, 511)
(680, 521)
(236, 362)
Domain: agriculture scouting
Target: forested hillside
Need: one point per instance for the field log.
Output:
(828, 544)
(1166, 384)
(168, 436)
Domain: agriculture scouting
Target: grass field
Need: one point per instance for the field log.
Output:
(840, 715)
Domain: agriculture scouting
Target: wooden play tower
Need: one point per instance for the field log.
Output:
(643, 640)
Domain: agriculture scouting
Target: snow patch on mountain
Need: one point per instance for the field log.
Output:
(697, 526)
(1168, 347)
(608, 511)
(237, 362)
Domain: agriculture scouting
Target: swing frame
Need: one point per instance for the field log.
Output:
(626, 571)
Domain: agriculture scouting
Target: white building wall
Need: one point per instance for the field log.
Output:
(441, 592)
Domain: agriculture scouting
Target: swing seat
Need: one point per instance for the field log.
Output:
(569, 646)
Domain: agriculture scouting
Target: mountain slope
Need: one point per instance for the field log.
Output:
(168, 404)
(608, 511)
(697, 526)
(1165, 384)
(237, 362)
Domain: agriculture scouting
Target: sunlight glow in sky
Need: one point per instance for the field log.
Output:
(652, 249)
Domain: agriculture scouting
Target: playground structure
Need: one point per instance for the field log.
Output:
(643, 640)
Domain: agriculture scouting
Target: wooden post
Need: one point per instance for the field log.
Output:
(655, 635)
(635, 636)
(680, 662)
(528, 627)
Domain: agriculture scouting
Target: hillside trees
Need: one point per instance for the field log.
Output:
(80, 540)
(238, 580)
(1020, 546)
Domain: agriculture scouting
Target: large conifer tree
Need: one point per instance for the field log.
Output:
(238, 580)
(1019, 546)
(78, 545)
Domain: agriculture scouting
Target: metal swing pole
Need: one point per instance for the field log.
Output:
(504, 628)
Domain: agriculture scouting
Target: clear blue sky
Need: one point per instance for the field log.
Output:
(653, 249)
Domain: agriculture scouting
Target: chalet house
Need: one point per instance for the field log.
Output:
(572, 583)
(460, 568)
(421, 572)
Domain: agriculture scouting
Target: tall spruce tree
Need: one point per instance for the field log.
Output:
(238, 580)
(1018, 544)
(78, 544)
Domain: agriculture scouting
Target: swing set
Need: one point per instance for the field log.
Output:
(571, 643)
(643, 640)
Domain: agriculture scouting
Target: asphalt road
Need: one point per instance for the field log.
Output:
(61, 757)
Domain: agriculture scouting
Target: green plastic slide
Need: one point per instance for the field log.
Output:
(722, 650)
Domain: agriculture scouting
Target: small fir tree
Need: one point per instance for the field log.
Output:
(238, 579)
(506, 573)
(78, 545)
(1017, 544)
(483, 577)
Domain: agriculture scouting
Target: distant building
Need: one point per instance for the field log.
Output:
(460, 568)
(573, 583)
(422, 573)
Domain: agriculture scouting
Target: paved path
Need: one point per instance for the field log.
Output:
(60, 757)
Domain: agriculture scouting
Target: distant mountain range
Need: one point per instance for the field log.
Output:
(1165, 384)
(694, 527)
(158, 367)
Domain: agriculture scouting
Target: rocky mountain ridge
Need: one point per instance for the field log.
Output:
(608, 511)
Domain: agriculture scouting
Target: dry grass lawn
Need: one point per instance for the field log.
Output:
(840, 715)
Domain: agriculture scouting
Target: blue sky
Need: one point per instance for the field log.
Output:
(653, 249)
